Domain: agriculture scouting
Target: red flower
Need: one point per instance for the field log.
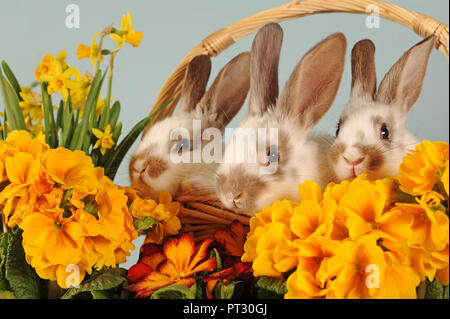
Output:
(177, 263)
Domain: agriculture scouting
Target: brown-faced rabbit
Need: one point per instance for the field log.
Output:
(371, 136)
(283, 163)
(152, 168)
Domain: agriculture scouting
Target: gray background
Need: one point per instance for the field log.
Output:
(30, 29)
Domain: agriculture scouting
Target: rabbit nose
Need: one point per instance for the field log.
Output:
(354, 162)
(155, 167)
(236, 199)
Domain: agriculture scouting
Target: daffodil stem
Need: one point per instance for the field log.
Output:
(108, 94)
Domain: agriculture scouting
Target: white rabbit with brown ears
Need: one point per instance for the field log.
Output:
(152, 169)
(306, 97)
(372, 137)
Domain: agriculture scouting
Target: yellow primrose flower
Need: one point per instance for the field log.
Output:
(303, 285)
(92, 52)
(313, 219)
(430, 227)
(59, 80)
(105, 141)
(51, 239)
(126, 33)
(44, 69)
(400, 280)
(22, 141)
(422, 168)
(310, 278)
(279, 212)
(165, 213)
(22, 168)
(444, 178)
(365, 209)
(264, 263)
(352, 265)
(67, 168)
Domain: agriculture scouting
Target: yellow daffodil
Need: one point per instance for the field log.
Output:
(45, 68)
(79, 93)
(31, 103)
(126, 33)
(60, 80)
(105, 141)
(92, 52)
(101, 104)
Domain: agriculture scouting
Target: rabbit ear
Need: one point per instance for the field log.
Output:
(195, 81)
(313, 85)
(265, 56)
(229, 90)
(403, 83)
(364, 79)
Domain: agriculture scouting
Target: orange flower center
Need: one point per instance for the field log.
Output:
(373, 225)
(57, 225)
(358, 268)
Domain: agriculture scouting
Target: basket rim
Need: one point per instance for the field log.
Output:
(214, 44)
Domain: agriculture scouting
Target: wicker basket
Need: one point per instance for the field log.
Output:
(201, 213)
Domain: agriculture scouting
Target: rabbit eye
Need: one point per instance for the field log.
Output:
(338, 128)
(182, 145)
(273, 155)
(384, 132)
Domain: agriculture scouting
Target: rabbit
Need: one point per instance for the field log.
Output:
(371, 136)
(244, 186)
(152, 169)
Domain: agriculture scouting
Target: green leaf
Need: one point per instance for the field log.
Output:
(4, 240)
(175, 292)
(102, 294)
(270, 288)
(104, 280)
(113, 163)
(435, 290)
(222, 291)
(12, 107)
(11, 78)
(22, 279)
(50, 128)
(6, 294)
(91, 103)
(114, 113)
(215, 253)
(144, 223)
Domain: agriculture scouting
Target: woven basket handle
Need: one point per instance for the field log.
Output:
(214, 44)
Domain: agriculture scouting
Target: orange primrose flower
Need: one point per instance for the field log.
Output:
(182, 260)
